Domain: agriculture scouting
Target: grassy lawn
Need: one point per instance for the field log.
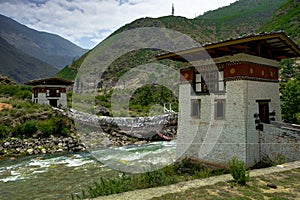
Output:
(288, 187)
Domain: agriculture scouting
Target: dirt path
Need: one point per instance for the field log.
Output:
(183, 186)
(5, 106)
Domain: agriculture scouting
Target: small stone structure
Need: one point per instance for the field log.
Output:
(229, 98)
(50, 91)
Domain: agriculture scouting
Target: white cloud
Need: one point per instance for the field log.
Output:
(96, 19)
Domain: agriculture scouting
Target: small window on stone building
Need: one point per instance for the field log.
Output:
(221, 81)
(219, 109)
(208, 81)
(195, 108)
(198, 87)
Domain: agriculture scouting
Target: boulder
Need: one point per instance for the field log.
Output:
(29, 151)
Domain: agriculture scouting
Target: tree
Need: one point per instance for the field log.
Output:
(290, 100)
(290, 90)
(289, 69)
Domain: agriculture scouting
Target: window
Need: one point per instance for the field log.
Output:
(53, 93)
(198, 87)
(221, 81)
(219, 109)
(210, 81)
(195, 108)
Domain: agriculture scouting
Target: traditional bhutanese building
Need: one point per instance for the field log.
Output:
(50, 91)
(229, 98)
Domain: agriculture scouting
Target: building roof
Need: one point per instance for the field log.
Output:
(49, 81)
(275, 46)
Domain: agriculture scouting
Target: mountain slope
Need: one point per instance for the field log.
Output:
(69, 72)
(199, 30)
(20, 66)
(244, 16)
(46, 47)
(286, 18)
(133, 59)
(241, 17)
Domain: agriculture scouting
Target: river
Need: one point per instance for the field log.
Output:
(57, 176)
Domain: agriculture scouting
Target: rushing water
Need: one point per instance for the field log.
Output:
(57, 176)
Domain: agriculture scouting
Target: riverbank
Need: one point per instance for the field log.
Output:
(29, 129)
(284, 177)
(111, 133)
(12, 147)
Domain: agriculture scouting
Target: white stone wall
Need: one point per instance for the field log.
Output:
(33, 98)
(238, 137)
(280, 144)
(42, 99)
(258, 91)
(62, 100)
(206, 138)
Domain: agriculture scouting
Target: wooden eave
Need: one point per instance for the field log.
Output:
(49, 81)
(275, 46)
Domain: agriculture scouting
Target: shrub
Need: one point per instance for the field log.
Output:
(48, 127)
(203, 173)
(107, 187)
(22, 92)
(238, 170)
(154, 179)
(3, 131)
(28, 128)
(53, 126)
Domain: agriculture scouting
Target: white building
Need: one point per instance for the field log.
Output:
(50, 91)
(227, 84)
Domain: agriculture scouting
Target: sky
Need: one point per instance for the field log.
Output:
(88, 22)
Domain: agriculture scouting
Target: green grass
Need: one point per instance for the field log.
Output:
(287, 188)
(182, 171)
(288, 185)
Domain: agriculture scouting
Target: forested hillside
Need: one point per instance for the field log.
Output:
(241, 17)
(286, 18)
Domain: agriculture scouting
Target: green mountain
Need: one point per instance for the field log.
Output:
(241, 17)
(286, 18)
(49, 48)
(20, 66)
